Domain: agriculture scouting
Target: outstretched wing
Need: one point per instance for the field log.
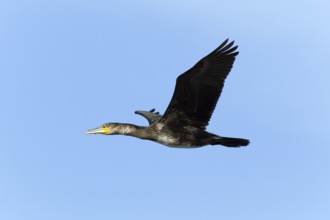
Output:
(151, 115)
(198, 89)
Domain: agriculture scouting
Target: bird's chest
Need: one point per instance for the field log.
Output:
(168, 140)
(180, 138)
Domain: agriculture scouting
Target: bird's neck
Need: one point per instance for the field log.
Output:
(128, 129)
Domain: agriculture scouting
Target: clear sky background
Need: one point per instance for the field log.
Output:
(69, 65)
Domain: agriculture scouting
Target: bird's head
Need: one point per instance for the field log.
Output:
(106, 128)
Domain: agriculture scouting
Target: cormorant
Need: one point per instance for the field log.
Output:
(184, 122)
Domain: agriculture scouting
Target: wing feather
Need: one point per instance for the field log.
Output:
(198, 89)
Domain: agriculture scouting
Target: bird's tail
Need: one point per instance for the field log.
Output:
(230, 142)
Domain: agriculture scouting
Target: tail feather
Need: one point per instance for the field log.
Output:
(230, 142)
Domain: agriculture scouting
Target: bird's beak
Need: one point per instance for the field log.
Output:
(99, 130)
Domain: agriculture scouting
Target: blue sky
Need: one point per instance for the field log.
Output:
(68, 66)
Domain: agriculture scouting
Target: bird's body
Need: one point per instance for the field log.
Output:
(184, 122)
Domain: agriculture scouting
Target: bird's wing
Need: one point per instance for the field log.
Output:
(198, 89)
(151, 116)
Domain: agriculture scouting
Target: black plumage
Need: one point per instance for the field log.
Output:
(186, 117)
(198, 89)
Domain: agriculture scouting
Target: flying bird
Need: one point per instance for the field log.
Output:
(184, 122)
